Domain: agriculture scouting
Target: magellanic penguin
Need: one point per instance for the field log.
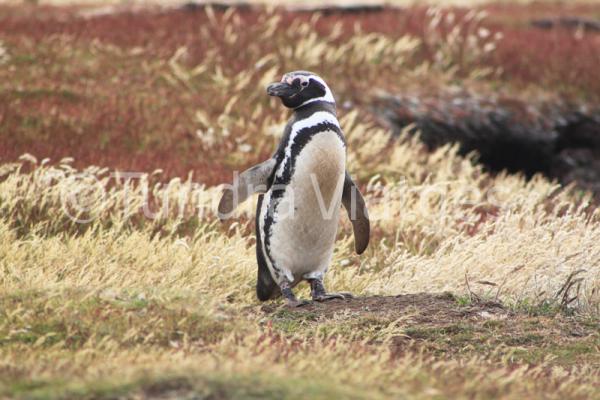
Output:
(302, 188)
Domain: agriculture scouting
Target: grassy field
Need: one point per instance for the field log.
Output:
(126, 286)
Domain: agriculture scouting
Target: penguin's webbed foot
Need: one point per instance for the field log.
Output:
(291, 299)
(296, 303)
(318, 292)
(331, 296)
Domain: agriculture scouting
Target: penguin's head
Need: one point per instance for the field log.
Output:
(299, 88)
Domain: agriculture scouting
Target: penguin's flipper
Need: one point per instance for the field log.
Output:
(358, 214)
(252, 180)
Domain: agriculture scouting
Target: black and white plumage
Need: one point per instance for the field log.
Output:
(302, 188)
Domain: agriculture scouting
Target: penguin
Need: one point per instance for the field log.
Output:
(301, 190)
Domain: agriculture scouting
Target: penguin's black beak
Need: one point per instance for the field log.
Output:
(281, 89)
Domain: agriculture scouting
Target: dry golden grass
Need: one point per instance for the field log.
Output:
(437, 221)
(124, 304)
(121, 304)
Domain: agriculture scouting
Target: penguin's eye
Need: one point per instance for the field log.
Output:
(304, 83)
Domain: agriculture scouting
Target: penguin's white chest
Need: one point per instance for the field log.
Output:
(305, 221)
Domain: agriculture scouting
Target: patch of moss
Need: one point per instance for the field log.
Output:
(529, 339)
(435, 333)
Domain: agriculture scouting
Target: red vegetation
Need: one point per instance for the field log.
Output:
(108, 111)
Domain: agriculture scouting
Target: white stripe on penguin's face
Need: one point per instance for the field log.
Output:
(305, 80)
(314, 119)
(328, 97)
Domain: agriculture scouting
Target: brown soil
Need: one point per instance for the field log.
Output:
(420, 308)
(440, 325)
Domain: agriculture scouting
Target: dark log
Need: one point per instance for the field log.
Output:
(558, 140)
(567, 23)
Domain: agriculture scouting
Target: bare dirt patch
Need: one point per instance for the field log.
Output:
(444, 325)
(422, 308)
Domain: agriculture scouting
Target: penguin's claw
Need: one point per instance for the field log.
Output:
(331, 296)
(296, 303)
